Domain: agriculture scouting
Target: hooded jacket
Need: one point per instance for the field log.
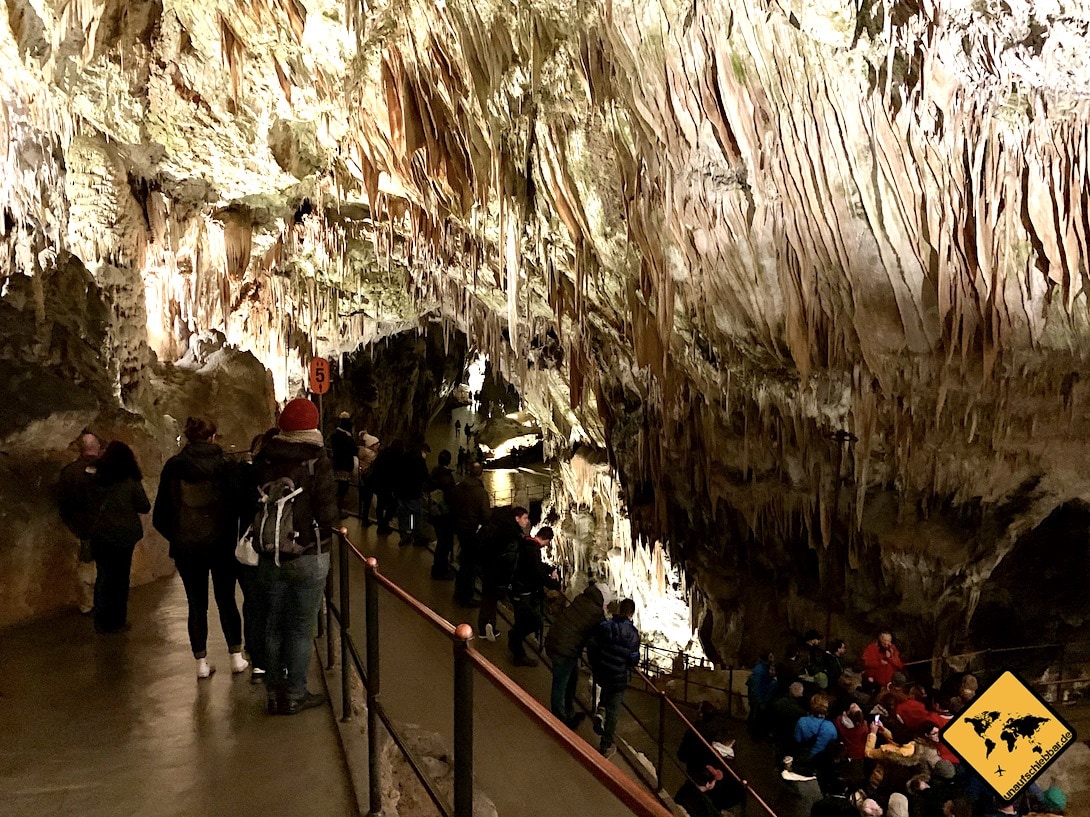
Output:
(576, 624)
(614, 651)
(199, 473)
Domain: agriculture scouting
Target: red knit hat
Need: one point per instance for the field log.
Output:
(299, 415)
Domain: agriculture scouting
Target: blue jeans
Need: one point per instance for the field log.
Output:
(293, 595)
(565, 680)
(610, 699)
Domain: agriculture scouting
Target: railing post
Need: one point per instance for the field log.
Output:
(463, 723)
(373, 760)
(662, 740)
(346, 621)
(329, 658)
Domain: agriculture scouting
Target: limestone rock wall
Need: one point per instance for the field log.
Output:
(703, 238)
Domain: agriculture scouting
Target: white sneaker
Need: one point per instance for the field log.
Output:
(204, 669)
(238, 663)
(490, 633)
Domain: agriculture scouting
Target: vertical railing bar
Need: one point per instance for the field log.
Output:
(463, 723)
(329, 657)
(662, 740)
(374, 771)
(345, 622)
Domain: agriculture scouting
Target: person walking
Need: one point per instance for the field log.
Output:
(470, 508)
(614, 651)
(570, 633)
(194, 513)
(292, 583)
(342, 444)
(531, 577)
(367, 453)
(441, 485)
(410, 480)
(383, 476)
(117, 501)
(73, 492)
(498, 544)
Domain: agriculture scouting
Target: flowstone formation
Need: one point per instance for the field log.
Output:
(812, 276)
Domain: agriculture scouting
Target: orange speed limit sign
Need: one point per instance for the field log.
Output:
(319, 375)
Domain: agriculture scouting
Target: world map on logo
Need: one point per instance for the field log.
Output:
(1012, 731)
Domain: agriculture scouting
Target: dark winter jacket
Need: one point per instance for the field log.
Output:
(344, 449)
(410, 475)
(318, 501)
(471, 505)
(531, 575)
(441, 478)
(193, 506)
(115, 510)
(576, 624)
(614, 650)
(73, 494)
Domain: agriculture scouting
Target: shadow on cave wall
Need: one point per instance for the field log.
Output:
(1038, 592)
(393, 388)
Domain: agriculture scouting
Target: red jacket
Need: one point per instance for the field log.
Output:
(854, 737)
(880, 667)
(914, 715)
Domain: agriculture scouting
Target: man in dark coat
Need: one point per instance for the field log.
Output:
(383, 477)
(409, 483)
(528, 584)
(614, 651)
(73, 491)
(293, 589)
(470, 509)
(498, 544)
(783, 715)
(567, 637)
(441, 481)
(343, 445)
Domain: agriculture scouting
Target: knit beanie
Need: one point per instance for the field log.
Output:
(1053, 799)
(299, 415)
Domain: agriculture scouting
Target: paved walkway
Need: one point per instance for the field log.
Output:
(119, 726)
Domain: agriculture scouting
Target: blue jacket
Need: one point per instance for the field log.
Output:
(614, 651)
(813, 735)
(761, 683)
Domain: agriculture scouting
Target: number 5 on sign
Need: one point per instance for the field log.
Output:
(319, 375)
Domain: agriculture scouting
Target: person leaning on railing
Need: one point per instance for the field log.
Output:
(614, 651)
(567, 637)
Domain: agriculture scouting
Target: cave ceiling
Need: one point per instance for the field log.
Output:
(701, 235)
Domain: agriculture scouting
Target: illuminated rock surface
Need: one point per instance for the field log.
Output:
(699, 237)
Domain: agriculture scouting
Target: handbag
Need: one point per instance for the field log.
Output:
(244, 550)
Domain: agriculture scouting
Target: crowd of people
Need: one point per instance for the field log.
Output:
(861, 737)
(849, 737)
(283, 494)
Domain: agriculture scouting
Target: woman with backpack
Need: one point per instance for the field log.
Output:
(117, 500)
(194, 512)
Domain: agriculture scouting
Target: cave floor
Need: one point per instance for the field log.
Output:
(119, 725)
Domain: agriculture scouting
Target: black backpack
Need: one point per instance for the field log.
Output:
(200, 512)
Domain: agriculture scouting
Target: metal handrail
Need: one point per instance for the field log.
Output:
(466, 660)
(660, 742)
